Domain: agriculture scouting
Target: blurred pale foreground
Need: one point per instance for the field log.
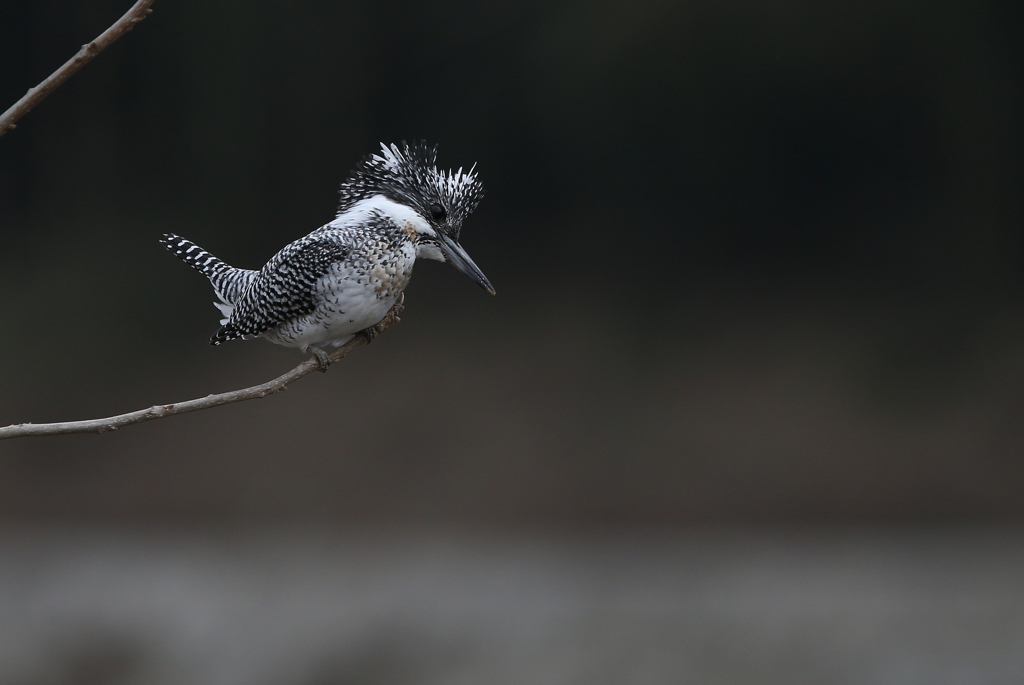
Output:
(292, 605)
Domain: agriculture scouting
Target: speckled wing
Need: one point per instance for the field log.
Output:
(284, 288)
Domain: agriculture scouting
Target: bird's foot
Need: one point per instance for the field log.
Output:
(322, 360)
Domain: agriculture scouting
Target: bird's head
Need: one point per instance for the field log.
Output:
(407, 174)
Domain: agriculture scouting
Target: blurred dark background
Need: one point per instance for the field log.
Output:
(746, 408)
(755, 261)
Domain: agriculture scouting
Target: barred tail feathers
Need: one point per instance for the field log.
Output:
(228, 282)
(224, 333)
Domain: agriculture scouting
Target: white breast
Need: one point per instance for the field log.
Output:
(349, 302)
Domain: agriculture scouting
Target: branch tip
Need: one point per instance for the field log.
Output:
(23, 106)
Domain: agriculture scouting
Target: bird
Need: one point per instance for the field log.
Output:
(342, 279)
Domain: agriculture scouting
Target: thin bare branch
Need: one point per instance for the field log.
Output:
(35, 95)
(159, 411)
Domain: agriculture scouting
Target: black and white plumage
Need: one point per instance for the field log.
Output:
(344, 277)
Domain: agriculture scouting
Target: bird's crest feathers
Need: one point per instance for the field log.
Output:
(408, 174)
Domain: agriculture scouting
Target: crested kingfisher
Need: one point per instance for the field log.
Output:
(344, 277)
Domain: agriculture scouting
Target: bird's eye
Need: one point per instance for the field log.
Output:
(437, 213)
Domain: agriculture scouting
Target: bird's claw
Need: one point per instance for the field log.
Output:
(323, 362)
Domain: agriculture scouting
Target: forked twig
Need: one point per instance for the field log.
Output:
(159, 411)
(35, 95)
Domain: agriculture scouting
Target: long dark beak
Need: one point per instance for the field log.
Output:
(458, 258)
